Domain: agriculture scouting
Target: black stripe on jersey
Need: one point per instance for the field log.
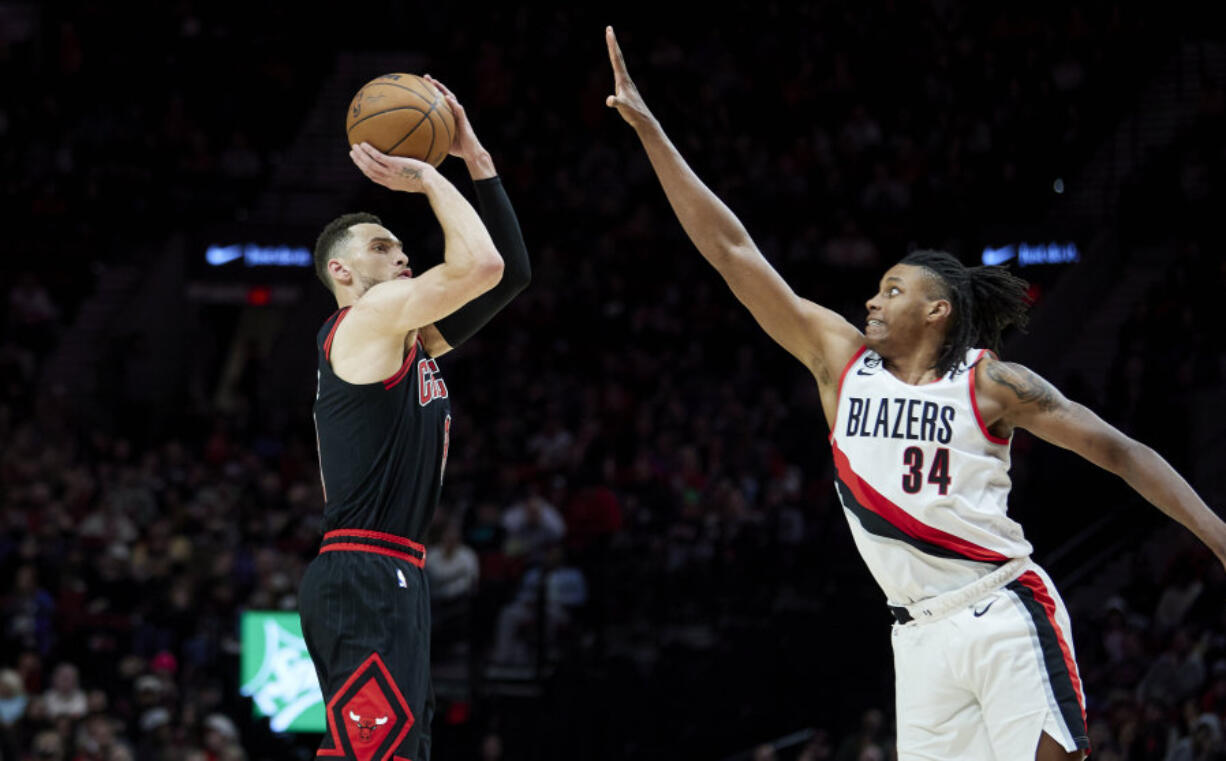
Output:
(1057, 670)
(878, 526)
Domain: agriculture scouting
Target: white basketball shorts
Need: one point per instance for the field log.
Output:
(981, 680)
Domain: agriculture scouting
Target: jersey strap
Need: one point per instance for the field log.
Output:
(340, 315)
(972, 376)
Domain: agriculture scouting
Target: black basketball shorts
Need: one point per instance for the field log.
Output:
(365, 610)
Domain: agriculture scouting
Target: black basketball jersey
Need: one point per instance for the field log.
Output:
(382, 445)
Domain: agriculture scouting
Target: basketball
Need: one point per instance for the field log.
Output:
(402, 115)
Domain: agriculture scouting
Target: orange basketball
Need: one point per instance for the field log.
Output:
(402, 115)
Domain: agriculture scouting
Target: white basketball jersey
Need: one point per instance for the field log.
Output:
(923, 482)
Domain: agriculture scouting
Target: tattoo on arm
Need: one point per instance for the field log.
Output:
(410, 172)
(1028, 387)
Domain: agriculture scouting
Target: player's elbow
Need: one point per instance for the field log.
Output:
(730, 250)
(488, 271)
(746, 258)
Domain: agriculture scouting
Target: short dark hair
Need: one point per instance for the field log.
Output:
(986, 301)
(335, 233)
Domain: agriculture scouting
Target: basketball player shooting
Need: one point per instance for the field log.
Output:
(383, 420)
(921, 413)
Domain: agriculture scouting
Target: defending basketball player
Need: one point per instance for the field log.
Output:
(383, 420)
(921, 413)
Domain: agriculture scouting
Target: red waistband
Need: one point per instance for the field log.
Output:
(376, 542)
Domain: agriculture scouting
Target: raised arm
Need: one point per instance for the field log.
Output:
(1012, 396)
(818, 337)
(471, 264)
(499, 218)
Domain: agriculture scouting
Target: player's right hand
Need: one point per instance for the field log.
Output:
(625, 97)
(395, 172)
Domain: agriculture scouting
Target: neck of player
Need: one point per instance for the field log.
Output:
(914, 367)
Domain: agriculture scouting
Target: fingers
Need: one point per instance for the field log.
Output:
(369, 156)
(448, 96)
(372, 163)
(441, 87)
(360, 159)
(373, 154)
(615, 55)
(361, 156)
(454, 105)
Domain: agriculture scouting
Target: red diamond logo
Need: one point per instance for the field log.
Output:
(368, 717)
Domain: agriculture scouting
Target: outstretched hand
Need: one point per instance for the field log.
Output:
(395, 172)
(625, 97)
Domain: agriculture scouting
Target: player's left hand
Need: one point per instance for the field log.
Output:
(625, 97)
(464, 144)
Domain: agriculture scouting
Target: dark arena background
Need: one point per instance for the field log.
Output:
(623, 429)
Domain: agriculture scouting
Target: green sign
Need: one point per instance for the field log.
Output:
(277, 673)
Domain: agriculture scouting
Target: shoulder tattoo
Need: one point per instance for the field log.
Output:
(1028, 387)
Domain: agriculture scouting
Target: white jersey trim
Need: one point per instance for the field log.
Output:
(973, 375)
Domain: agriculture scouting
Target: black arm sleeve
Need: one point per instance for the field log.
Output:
(499, 218)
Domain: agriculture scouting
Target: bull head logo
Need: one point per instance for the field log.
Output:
(366, 732)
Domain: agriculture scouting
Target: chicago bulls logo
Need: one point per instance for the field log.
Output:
(366, 732)
(429, 388)
(368, 717)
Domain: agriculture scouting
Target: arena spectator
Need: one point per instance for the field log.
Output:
(65, 698)
(1204, 744)
(48, 746)
(532, 525)
(453, 570)
(452, 567)
(13, 699)
(869, 743)
(552, 594)
(28, 612)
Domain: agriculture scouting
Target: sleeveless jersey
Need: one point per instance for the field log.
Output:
(382, 445)
(922, 481)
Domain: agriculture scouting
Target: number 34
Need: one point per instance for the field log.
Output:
(938, 473)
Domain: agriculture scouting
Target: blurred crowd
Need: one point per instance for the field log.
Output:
(639, 515)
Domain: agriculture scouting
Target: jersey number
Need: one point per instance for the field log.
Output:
(913, 478)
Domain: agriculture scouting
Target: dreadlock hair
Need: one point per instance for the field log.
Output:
(986, 300)
(337, 232)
